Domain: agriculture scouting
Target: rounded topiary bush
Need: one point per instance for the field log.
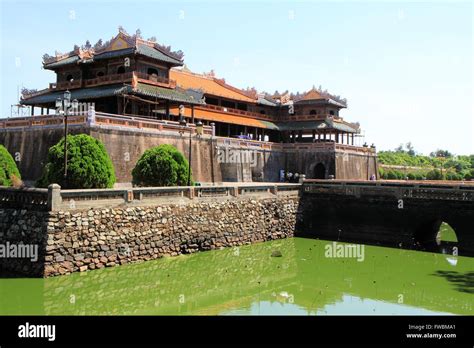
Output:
(162, 165)
(9, 172)
(88, 165)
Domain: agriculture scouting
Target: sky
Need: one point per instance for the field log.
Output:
(406, 68)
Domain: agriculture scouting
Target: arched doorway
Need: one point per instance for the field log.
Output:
(320, 171)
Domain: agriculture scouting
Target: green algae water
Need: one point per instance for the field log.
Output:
(247, 280)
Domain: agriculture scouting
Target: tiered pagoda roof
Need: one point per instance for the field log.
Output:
(122, 44)
(141, 89)
(314, 95)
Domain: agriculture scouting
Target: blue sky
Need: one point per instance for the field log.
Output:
(405, 67)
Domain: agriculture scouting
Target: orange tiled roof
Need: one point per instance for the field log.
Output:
(209, 85)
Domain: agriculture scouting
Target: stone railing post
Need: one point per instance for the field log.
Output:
(274, 189)
(91, 115)
(191, 192)
(213, 125)
(129, 197)
(234, 191)
(54, 197)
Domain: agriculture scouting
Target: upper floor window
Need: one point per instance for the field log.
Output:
(313, 112)
(121, 70)
(69, 78)
(331, 112)
(262, 112)
(100, 74)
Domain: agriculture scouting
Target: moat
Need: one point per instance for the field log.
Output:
(247, 280)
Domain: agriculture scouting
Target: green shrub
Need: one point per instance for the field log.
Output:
(453, 176)
(435, 174)
(162, 165)
(420, 176)
(88, 165)
(469, 175)
(391, 175)
(400, 175)
(8, 169)
(411, 176)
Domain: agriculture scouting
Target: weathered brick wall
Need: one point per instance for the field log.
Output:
(98, 238)
(355, 166)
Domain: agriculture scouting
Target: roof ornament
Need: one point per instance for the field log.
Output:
(211, 74)
(87, 46)
(122, 30)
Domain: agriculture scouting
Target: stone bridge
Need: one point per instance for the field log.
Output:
(404, 214)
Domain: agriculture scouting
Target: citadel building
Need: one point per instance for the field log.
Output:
(143, 95)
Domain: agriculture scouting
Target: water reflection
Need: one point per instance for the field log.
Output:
(247, 280)
(349, 305)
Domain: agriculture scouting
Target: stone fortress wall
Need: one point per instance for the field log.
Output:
(80, 239)
(213, 160)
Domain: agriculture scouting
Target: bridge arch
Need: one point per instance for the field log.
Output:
(438, 235)
(446, 233)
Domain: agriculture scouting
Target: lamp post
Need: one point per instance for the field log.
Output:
(65, 107)
(213, 125)
(182, 123)
(199, 132)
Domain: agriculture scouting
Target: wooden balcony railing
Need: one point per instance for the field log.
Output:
(155, 78)
(111, 79)
(108, 79)
(234, 111)
(319, 117)
(65, 85)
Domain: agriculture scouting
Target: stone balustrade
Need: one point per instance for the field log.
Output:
(54, 198)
